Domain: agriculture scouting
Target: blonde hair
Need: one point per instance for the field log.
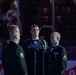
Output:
(56, 34)
(13, 30)
(13, 27)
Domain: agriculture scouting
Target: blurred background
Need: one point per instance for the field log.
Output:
(50, 15)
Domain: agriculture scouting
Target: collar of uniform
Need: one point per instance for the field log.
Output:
(13, 42)
(55, 46)
(35, 39)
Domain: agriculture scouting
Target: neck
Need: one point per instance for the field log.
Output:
(15, 41)
(55, 44)
(35, 38)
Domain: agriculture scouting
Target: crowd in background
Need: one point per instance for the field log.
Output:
(9, 15)
(8, 18)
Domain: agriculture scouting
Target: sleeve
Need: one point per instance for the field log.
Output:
(63, 61)
(21, 61)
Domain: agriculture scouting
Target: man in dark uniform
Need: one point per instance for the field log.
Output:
(13, 57)
(56, 56)
(34, 52)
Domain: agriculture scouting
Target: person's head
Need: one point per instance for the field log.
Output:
(14, 33)
(14, 4)
(55, 38)
(35, 30)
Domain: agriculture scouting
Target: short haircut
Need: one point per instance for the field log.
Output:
(13, 27)
(13, 31)
(34, 25)
(57, 34)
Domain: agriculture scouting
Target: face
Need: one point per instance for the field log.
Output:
(18, 35)
(54, 39)
(14, 5)
(35, 31)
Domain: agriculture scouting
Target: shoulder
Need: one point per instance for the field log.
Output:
(8, 45)
(43, 41)
(19, 50)
(64, 53)
(26, 41)
(63, 49)
(19, 47)
(29, 39)
(4, 49)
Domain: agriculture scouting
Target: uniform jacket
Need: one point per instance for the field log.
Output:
(56, 60)
(34, 54)
(13, 59)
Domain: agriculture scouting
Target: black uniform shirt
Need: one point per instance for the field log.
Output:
(34, 54)
(56, 60)
(13, 59)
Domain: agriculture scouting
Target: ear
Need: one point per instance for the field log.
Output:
(57, 38)
(10, 36)
(15, 36)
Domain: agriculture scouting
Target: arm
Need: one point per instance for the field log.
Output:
(63, 61)
(21, 61)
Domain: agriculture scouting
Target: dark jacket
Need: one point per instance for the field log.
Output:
(13, 59)
(56, 61)
(34, 54)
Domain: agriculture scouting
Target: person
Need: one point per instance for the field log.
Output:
(56, 56)
(35, 49)
(9, 15)
(14, 20)
(13, 56)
